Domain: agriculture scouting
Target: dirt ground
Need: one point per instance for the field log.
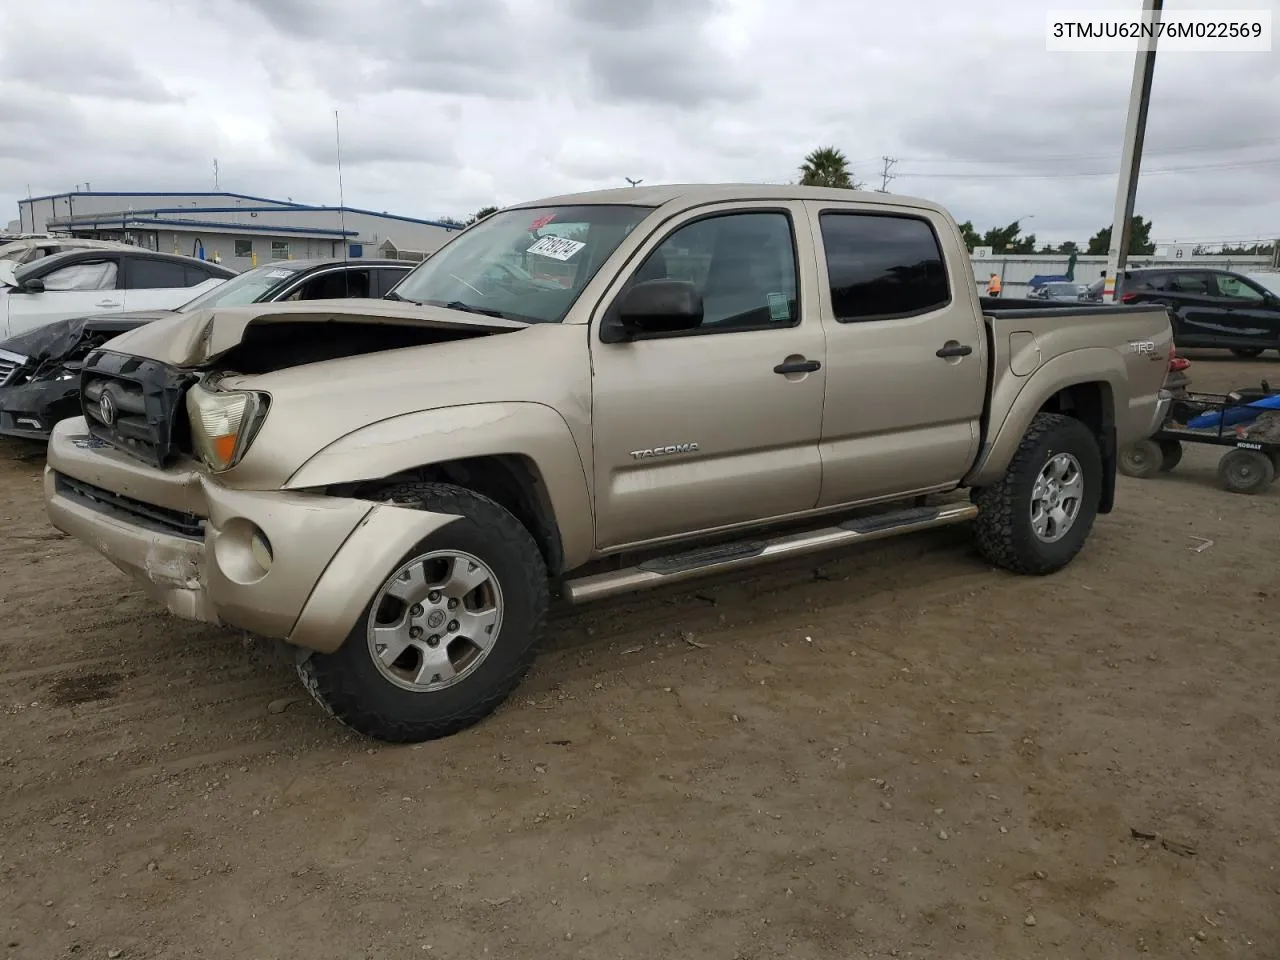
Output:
(897, 753)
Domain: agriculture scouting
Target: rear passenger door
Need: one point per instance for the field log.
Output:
(906, 353)
(717, 426)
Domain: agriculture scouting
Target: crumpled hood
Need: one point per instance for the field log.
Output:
(195, 338)
(54, 341)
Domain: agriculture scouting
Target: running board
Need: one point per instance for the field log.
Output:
(741, 554)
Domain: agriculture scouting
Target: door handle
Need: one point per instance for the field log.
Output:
(107, 303)
(953, 349)
(798, 366)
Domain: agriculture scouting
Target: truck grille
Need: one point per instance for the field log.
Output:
(136, 405)
(161, 519)
(11, 365)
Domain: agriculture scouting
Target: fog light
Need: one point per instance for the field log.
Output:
(260, 549)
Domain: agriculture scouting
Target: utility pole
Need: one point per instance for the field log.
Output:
(1135, 131)
(885, 175)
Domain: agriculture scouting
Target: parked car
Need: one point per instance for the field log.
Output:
(40, 369)
(1060, 290)
(593, 395)
(1210, 308)
(83, 282)
(28, 249)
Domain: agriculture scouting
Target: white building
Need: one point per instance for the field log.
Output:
(236, 230)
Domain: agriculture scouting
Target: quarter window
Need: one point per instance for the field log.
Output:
(743, 265)
(881, 267)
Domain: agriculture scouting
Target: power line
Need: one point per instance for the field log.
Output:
(1176, 151)
(1082, 176)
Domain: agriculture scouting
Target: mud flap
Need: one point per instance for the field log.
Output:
(1107, 443)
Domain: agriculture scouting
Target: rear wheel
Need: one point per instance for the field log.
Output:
(449, 634)
(1038, 516)
(1246, 471)
(1141, 459)
(1247, 353)
(1170, 454)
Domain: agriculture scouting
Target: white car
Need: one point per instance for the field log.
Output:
(28, 249)
(84, 283)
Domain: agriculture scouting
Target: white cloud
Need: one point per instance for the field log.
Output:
(449, 105)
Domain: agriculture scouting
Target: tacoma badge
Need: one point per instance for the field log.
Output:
(664, 451)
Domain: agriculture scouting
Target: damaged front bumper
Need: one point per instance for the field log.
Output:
(30, 410)
(290, 565)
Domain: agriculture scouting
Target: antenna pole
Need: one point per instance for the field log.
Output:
(342, 214)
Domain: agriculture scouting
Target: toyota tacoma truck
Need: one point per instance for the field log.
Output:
(582, 397)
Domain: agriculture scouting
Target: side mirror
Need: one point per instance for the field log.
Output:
(34, 285)
(657, 306)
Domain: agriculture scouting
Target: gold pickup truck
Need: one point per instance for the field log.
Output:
(586, 396)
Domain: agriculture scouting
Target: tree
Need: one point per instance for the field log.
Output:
(827, 167)
(1069, 247)
(971, 236)
(451, 222)
(481, 214)
(1139, 239)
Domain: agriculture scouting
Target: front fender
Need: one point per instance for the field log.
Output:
(1017, 400)
(530, 430)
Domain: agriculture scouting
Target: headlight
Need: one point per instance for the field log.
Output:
(223, 424)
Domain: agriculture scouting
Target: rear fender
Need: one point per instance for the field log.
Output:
(405, 443)
(1016, 403)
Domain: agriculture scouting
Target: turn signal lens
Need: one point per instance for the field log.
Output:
(221, 424)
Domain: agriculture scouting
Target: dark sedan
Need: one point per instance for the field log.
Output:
(40, 369)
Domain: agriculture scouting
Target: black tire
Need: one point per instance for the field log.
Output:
(1004, 532)
(1140, 459)
(1247, 353)
(354, 690)
(1246, 471)
(1170, 454)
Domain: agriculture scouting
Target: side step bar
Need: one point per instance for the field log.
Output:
(741, 554)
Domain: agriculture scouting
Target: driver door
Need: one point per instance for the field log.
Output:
(698, 430)
(80, 289)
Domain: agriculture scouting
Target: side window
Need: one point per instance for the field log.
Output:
(194, 276)
(1236, 289)
(1150, 281)
(743, 264)
(94, 275)
(155, 274)
(385, 279)
(881, 267)
(1187, 281)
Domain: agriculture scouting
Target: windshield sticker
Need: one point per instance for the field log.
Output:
(779, 306)
(556, 248)
(541, 222)
(279, 274)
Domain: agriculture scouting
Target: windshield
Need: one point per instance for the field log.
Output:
(528, 264)
(248, 287)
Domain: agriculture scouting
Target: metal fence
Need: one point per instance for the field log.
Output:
(1015, 270)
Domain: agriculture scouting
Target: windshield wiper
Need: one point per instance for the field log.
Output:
(395, 296)
(469, 308)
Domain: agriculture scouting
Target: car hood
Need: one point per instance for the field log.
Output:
(55, 340)
(195, 338)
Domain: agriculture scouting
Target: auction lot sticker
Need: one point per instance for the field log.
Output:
(556, 248)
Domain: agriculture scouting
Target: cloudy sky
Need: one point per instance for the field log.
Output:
(449, 105)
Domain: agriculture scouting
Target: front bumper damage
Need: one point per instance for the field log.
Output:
(280, 564)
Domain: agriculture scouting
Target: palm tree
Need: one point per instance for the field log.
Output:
(827, 167)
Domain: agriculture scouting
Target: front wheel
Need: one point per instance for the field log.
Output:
(1038, 516)
(448, 635)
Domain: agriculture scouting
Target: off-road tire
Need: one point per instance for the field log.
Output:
(1141, 459)
(1246, 471)
(1003, 530)
(352, 689)
(1170, 454)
